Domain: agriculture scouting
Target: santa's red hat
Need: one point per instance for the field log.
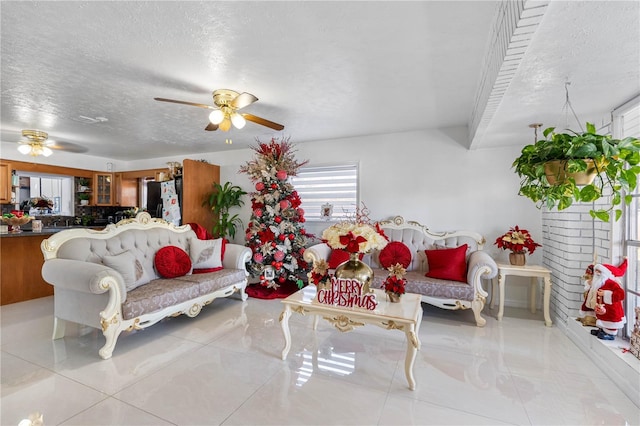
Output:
(613, 271)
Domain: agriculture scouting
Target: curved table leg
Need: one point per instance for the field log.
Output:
(284, 323)
(547, 296)
(413, 344)
(501, 278)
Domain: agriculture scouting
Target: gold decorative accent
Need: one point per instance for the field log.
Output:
(281, 316)
(194, 310)
(344, 323)
(392, 325)
(413, 339)
(300, 310)
(105, 324)
(135, 325)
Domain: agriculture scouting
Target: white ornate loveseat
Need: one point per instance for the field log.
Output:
(107, 279)
(446, 294)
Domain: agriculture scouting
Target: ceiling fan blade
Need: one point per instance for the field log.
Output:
(185, 103)
(263, 121)
(211, 127)
(242, 100)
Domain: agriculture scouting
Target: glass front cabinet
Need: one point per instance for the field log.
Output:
(103, 189)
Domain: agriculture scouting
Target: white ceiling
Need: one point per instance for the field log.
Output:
(324, 70)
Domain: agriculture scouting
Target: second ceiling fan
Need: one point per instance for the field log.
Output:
(225, 112)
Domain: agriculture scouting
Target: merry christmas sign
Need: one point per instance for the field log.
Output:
(348, 293)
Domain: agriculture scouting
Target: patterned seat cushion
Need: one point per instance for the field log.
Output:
(433, 287)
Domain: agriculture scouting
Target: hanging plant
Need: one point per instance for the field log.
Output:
(612, 162)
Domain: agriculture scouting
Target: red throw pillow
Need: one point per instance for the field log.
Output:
(171, 262)
(448, 264)
(395, 252)
(339, 256)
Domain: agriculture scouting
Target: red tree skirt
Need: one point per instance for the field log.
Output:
(262, 292)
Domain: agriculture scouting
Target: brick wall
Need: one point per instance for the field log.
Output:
(569, 239)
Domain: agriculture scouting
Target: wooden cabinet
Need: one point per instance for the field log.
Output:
(5, 183)
(126, 190)
(197, 183)
(103, 189)
(20, 269)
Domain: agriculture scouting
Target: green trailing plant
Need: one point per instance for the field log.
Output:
(615, 163)
(223, 198)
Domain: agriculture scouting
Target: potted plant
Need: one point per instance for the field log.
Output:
(220, 201)
(83, 184)
(84, 199)
(551, 170)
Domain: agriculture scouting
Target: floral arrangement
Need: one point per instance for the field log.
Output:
(517, 240)
(41, 203)
(319, 274)
(357, 235)
(395, 282)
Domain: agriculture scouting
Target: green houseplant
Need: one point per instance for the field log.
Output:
(220, 201)
(613, 164)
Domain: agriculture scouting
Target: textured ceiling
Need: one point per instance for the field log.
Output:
(324, 70)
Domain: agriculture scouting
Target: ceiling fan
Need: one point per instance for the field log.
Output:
(225, 112)
(37, 142)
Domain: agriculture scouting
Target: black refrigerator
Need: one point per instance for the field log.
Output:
(154, 197)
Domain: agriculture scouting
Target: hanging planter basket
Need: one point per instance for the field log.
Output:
(556, 173)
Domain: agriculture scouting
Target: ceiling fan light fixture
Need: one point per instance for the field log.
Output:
(216, 116)
(24, 149)
(225, 125)
(238, 120)
(46, 151)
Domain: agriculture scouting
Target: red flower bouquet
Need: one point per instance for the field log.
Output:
(395, 282)
(517, 240)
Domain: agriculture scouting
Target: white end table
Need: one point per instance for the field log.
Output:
(533, 271)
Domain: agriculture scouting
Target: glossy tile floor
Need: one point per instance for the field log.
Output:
(224, 367)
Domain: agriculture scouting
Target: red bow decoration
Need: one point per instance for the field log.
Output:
(351, 243)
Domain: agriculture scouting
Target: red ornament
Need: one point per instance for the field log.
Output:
(274, 186)
(282, 237)
(281, 280)
(261, 277)
(291, 236)
(259, 186)
(273, 244)
(277, 219)
(281, 174)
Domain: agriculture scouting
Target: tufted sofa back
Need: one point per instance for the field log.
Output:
(418, 239)
(143, 244)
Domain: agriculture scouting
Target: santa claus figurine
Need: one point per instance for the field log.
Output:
(587, 315)
(608, 295)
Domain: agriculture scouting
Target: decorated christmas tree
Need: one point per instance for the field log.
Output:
(275, 234)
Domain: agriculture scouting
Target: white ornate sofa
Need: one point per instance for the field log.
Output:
(89, 292)
(446, 294)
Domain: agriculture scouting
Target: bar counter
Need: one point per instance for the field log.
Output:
(21, 263)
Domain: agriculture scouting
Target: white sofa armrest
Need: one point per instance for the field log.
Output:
(82, 276)
(236, 257)
(317, 252)
(480, 266)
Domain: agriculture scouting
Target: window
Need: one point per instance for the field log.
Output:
(626, 121)
(58, 189)
(324, 188)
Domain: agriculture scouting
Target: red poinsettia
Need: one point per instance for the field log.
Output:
(517, 240)
(395, 282)
(351, 242)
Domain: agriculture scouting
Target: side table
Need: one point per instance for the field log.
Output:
(533, 271)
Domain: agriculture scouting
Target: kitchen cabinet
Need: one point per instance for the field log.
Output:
(21, 268)
(126, 190)
(103, 189)
(5, 183)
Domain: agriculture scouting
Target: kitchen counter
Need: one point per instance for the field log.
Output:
(46, 231)
(21, 263)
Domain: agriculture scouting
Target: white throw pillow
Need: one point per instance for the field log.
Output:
(206, 253)
(129, 267)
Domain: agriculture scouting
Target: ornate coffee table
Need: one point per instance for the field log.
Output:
(405, 316)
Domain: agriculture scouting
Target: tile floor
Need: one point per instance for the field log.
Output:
(224, 367)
